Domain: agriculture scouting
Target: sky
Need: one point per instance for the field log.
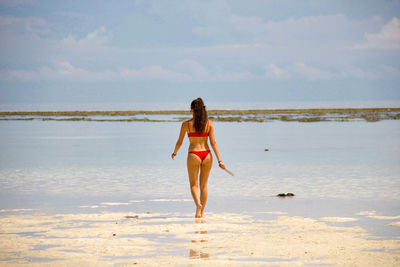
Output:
(176, 50)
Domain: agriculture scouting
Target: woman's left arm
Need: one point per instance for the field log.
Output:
(180, 140)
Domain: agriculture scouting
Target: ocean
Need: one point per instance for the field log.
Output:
(333, 168)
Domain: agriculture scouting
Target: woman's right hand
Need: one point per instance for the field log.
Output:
(222, 165)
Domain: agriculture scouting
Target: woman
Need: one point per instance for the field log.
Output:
(199, 159)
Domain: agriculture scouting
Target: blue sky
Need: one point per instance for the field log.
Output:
(174, 51)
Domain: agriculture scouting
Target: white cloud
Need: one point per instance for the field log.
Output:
(28, 24)
(187, 70)
(390, 71)
(193, 68)
(272, 71)
(330, 29)
(74, 15)
(197, 72)
(232, 50)
(358, 73)
(94, 39)
(312, 73)
(65, 68)
(387, 38)
(13, 3)
(18, 75)
(65, 71)
(61, 71)
(152, 73)
(190, 70)
(234, 76)
(302, 71)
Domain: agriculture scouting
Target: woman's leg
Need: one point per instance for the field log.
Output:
(193, 163)
(205, 170)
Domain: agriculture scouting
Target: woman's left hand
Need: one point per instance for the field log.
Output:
(173, 156)
(222, 165)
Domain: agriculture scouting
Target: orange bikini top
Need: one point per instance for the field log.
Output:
(194, 134)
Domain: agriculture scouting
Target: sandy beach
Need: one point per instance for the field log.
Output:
(176, 239)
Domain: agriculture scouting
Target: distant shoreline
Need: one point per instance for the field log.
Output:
(210, 112)
(256, 115)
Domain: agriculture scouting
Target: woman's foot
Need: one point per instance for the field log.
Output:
(202, 212)
(199, 211)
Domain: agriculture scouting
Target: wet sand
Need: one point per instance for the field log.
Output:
(221, 239)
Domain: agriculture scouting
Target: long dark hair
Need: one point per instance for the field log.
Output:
(200, 114)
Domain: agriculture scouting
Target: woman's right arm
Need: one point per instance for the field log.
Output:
(180, 140)
(214, 146)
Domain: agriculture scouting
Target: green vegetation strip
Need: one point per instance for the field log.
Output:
(260, 115)
(210, 112)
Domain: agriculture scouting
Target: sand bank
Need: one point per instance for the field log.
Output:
(260, 115)
(125, 238)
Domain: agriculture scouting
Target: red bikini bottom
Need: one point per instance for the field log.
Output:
(201, 154)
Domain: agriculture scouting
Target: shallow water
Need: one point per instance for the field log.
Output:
(333, 167)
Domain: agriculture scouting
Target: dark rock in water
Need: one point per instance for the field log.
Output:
(285, 195)
(266, 149)
(132, 217)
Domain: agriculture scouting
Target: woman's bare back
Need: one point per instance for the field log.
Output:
(197, 143)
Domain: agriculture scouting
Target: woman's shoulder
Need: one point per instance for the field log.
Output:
(210, 124)
(185, 123)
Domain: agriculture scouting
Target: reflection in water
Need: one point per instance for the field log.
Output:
(199, 250)
(194, 254)
(323, 161)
